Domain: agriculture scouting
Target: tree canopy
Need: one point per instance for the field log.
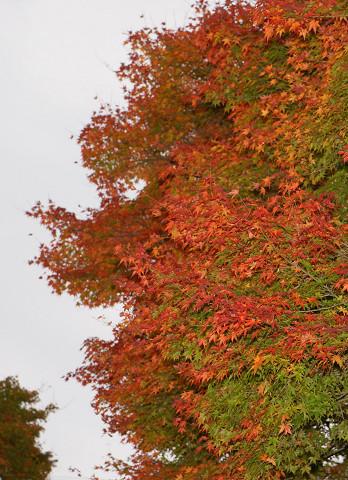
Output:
(21, 423)
(231, 256)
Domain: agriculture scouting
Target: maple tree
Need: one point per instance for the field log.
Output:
(231, 256)
(21, 423)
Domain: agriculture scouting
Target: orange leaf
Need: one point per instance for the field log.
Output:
(313, 25)
(268, 31)
(338, 360)
(258, 361)
(268, 459)
(285, 428)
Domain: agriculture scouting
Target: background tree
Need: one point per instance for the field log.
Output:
(232, 260)
(21, 424)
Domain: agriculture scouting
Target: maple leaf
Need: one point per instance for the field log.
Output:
(211, 264)
(344, 154)
(266, 182)
(268, 31)
(338, 360)
(294, 25)
(280, 31)
(303, 32)
(285, 427)
(313, 26)
(234, 192)
(342, 284)
(258, 361)
(253, 433)
(175, 233)
(267, 459)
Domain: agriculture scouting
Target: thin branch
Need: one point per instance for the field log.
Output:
(320, 308)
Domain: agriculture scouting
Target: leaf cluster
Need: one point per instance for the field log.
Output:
(21, 423)
(230, 361)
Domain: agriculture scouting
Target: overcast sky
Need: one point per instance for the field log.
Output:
(55, 57)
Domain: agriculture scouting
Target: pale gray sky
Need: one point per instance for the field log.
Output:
(53, 58)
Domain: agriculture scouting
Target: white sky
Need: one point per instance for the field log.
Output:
(53, 58)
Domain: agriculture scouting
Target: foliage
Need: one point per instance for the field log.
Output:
(231, 262)
(21, 456)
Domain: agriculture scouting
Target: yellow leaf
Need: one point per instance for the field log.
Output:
(337, 359)
(175, 233)
(280, 31)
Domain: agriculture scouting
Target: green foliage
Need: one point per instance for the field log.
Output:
(230, 362)
(21, 424)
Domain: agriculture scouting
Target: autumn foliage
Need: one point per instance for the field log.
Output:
(230, 257)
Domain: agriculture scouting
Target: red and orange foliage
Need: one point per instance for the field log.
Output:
(231, 358)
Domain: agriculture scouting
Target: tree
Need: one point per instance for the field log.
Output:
(21, 456)
(231, 261)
